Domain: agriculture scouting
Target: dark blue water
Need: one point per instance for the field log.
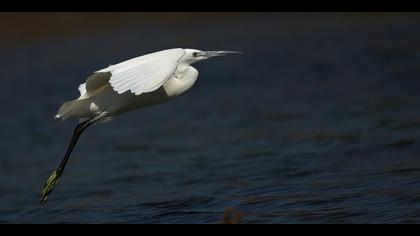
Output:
(317, 122)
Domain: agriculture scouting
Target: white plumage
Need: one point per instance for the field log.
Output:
(126, 86)
(136, 83)
(146, 73)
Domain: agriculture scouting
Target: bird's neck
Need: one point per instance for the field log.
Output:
(181, 82)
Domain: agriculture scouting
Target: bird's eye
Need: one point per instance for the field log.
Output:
(195, 54)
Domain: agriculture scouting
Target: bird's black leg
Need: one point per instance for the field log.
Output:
(55, 176)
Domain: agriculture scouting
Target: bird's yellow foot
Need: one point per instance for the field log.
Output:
(50, 185)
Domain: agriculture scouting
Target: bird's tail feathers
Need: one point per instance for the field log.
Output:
(72, 108)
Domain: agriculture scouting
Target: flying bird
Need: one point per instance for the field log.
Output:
(133, 84)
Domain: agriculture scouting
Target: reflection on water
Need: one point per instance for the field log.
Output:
(317, 122)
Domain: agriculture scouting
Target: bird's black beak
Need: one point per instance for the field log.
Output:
(209, 54)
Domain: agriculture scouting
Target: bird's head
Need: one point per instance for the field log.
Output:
(193, 55)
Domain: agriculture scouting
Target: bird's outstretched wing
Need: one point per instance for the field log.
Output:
(145, 73)
(94, 84)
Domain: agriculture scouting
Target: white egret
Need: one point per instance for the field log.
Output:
(133, 84)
